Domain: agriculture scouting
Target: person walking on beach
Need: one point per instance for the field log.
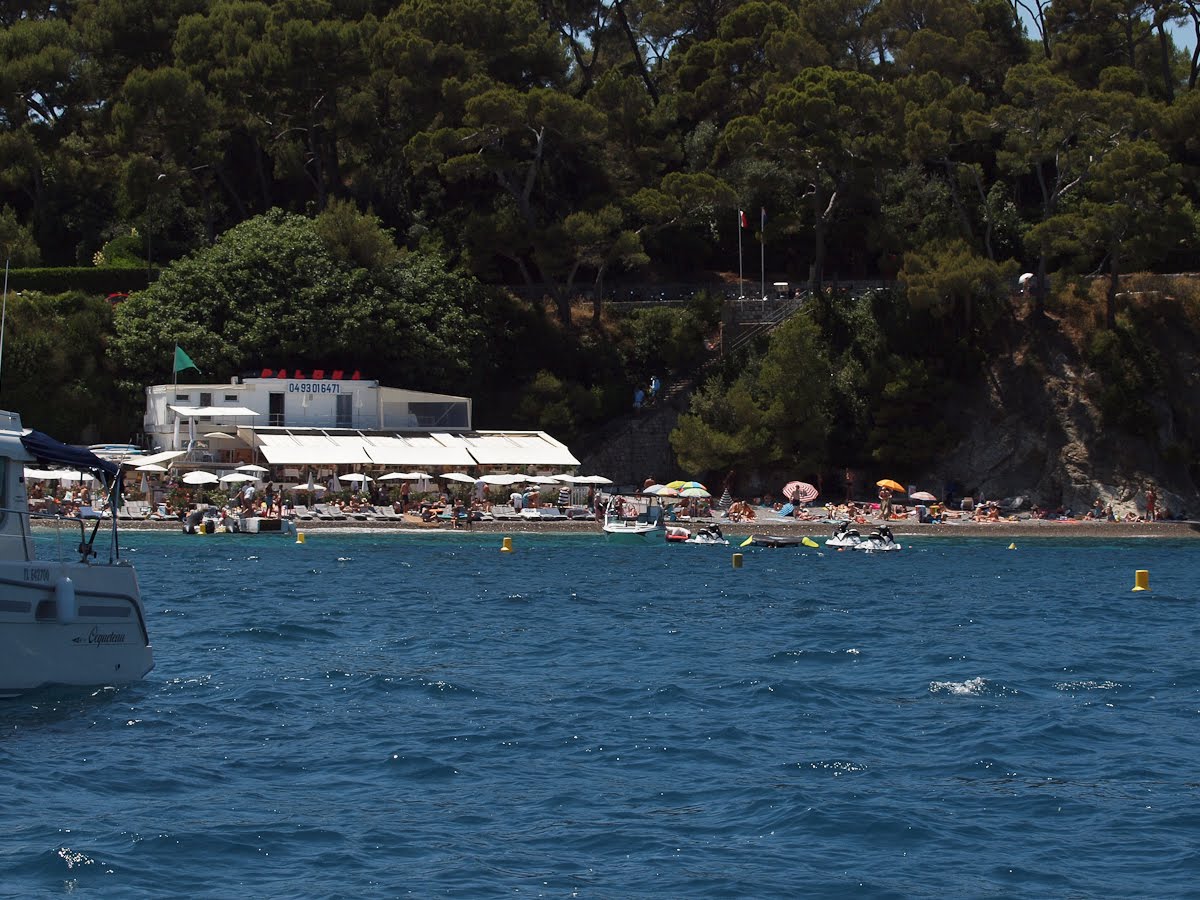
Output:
(1151, 503)
(885, 503)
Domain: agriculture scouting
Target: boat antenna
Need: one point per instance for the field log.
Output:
(4, 311)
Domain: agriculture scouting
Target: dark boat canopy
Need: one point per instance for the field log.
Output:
(55, 453)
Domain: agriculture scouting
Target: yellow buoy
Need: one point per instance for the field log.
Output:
(737, 560)
(506, 545)
(809, 542)
(1141, 580)
(299, 537)
(1012, 546)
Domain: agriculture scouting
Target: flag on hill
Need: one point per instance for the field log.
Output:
(183, 361)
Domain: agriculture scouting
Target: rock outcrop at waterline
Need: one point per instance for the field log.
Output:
(1037, 426)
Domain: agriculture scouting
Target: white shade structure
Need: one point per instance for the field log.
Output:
(355, 476)
(151, 467)
(56, 475)
(502, 479)
(234, 477)
(459, 477)
(200, 477)
(250, 467)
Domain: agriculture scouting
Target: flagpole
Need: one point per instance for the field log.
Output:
(762, 249)
(741, 286)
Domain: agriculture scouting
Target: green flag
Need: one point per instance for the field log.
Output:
(183, 361)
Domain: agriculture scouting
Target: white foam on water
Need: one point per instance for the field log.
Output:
(1088, 685)
(972, 687)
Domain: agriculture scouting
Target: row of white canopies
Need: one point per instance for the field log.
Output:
(244, 473)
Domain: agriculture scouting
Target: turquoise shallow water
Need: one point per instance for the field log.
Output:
(421, 715)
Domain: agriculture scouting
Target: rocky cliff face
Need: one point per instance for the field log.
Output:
(1034, 426)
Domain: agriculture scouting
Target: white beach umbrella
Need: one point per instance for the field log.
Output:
(394, 476)
(250, 467)
(237, 476)
(355, 476)
(461, 477)
(304, 487)
(151, 467)
(594, 479)
(200, 477)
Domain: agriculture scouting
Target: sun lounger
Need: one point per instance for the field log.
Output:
(505, 513)
(550, 513)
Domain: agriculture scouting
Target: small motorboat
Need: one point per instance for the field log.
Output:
(880, 541)
(637, 519)
(845, 537)
(208, 521)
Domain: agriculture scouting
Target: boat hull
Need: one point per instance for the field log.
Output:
(70, 624)
(638, 532)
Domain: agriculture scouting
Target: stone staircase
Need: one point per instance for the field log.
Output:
(637, 446)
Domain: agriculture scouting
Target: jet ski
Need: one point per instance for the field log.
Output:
(880, 541)
(709, 534)
(844, 536)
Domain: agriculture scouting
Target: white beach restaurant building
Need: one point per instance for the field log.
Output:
(306, 427)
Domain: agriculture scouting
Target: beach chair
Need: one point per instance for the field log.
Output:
(325, 513)
(300, 511)
(550, 514)
(504, 513)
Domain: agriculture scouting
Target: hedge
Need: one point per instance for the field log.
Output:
(89, 279)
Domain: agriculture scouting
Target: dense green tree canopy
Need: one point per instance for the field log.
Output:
(278, 290)
(522, 138)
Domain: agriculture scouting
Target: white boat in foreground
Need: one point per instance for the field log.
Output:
(72, 620)
(634, 519)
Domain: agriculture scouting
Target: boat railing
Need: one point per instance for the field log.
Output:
(83, 548)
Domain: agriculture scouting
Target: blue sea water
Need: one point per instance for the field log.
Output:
(422, 715)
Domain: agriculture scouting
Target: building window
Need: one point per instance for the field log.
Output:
(183, 398)
(205, 400)
(345, 410)
(275, 410)
(231, 398)
(440, 414)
